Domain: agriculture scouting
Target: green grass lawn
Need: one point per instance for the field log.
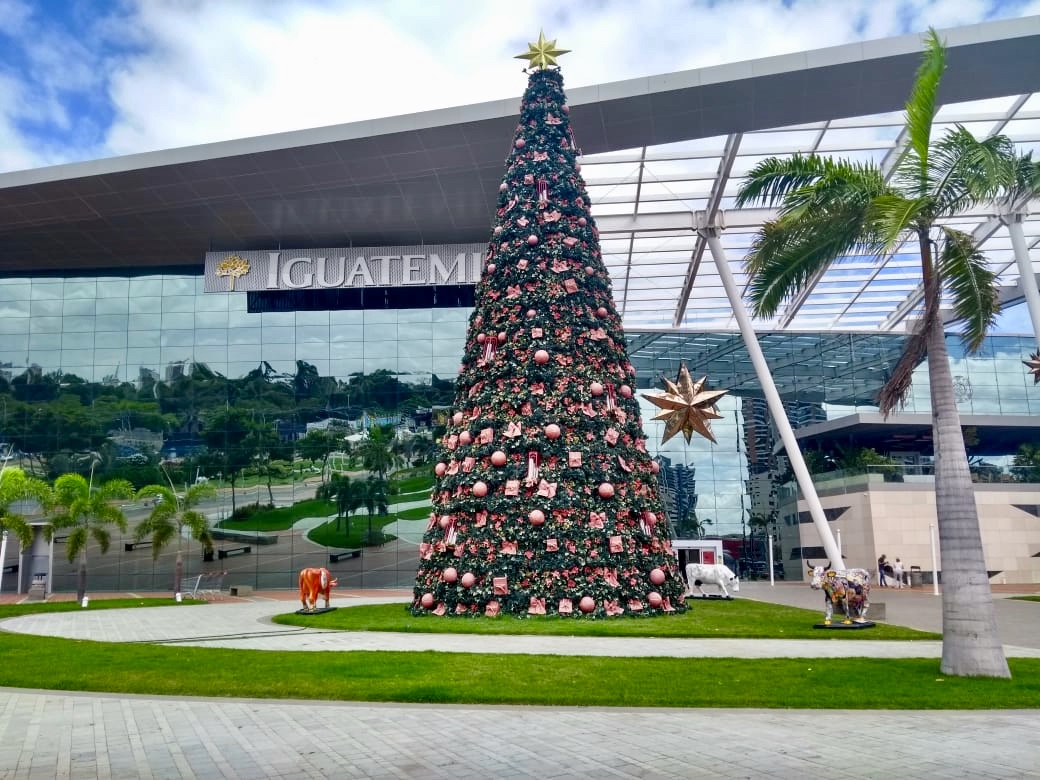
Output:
(416, 483)
(281, 518)
(708, 619)
(418, 513)
(1026, 598)
(331, 536)
(422, 495)
(471, 678)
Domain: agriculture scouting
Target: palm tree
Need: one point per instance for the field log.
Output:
(87, 510)
(374, 498)
(170, 516)
(829, 209)
(15, 486)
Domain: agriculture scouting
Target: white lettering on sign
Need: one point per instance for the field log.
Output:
(323, 269)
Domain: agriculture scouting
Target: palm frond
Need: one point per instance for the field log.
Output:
(964, 272)
(892, 216)
(965, 171)
(787, 253)
(921, 105)
(75, 542)
(894, 392)
(774, 179)
(101, 536)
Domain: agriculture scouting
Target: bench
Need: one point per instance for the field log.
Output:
(338, 555)
(59, 539)
(241, 590)
(11, 568)
(229, 551)
(129, 546)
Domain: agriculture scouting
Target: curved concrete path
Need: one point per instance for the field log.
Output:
(51, 734)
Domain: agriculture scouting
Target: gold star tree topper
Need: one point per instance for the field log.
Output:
(1034, 366)
(541, 53)
(687, 406)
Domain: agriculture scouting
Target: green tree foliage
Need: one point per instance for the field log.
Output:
(171, 515)
(16, 486)
(86, 511)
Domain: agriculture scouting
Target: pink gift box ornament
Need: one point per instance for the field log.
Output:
(513, 487)
(537, 333)
(615, 544)
(573, 459)
(487, 435)
(570, 285)
(467, 464)
(551, 545)
(613, 608)
(440, 609)
(596, 519)
(508, 548)
(491, 610)
(566, 607)
(559, 266)
(537, 606)
(547, 489)
(570, 241)
(513, 430)
(635, 605)
(611, 436)
(500, 586)
(481, 519)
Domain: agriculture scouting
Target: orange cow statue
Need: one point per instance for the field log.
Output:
(313, 582)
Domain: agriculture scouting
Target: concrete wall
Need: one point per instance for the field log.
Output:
(893, 518)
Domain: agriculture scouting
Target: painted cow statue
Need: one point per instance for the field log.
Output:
(849, 589)
(313, 582)
(713, 574)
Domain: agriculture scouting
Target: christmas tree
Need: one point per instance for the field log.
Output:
(546, 500)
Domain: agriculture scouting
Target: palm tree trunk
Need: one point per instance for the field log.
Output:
(971, 644)
(81, 576)
(178, 571)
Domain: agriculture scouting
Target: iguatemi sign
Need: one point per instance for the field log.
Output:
(324, 269)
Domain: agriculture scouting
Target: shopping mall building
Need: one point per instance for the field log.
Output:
(123, 310)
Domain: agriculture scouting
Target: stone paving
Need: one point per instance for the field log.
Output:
(49, 734)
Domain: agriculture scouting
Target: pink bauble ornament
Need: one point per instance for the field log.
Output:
(657, 576)
(532, 239)
(451, 574)
(465, 437)
(440, 468)
(445, 521)
(480, 489)
(541, 357)
(650, 518)
(468, 579)
(565, 108)
(501, 337)
(497, 230)
(654, 598)
(596, 388)
(503, 187)
(481, 338)
(491, 268)
(589, 270)
(626, 391)
(582, 222)
(601, 312)
(531, 314)
(426, 600)
(606, 490)
(536, 516)
(520, 143)
(498, 458)
(577, 167)
(655, 467)
(552, 431)
(587, 604)
(457, 418)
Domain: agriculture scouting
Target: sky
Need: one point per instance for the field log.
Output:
(86, 79)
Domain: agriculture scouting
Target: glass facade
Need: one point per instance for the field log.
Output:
(127, 372)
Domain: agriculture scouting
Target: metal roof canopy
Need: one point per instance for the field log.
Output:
(656, 150)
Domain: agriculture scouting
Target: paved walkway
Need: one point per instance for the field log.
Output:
(48, 734)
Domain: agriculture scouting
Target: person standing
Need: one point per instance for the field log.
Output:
(882, 562)
(897, 572)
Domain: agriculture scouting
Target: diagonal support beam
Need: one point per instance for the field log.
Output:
(729, 155)
(710, 231)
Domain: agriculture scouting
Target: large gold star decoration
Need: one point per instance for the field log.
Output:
(541, 53)
(688, 407)
(1034, 366)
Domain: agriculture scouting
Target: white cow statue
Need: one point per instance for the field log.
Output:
(713, 574)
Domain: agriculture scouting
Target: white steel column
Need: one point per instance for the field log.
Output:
(765, 378)
(1027, 279)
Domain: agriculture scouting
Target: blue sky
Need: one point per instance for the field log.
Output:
(83, 79)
